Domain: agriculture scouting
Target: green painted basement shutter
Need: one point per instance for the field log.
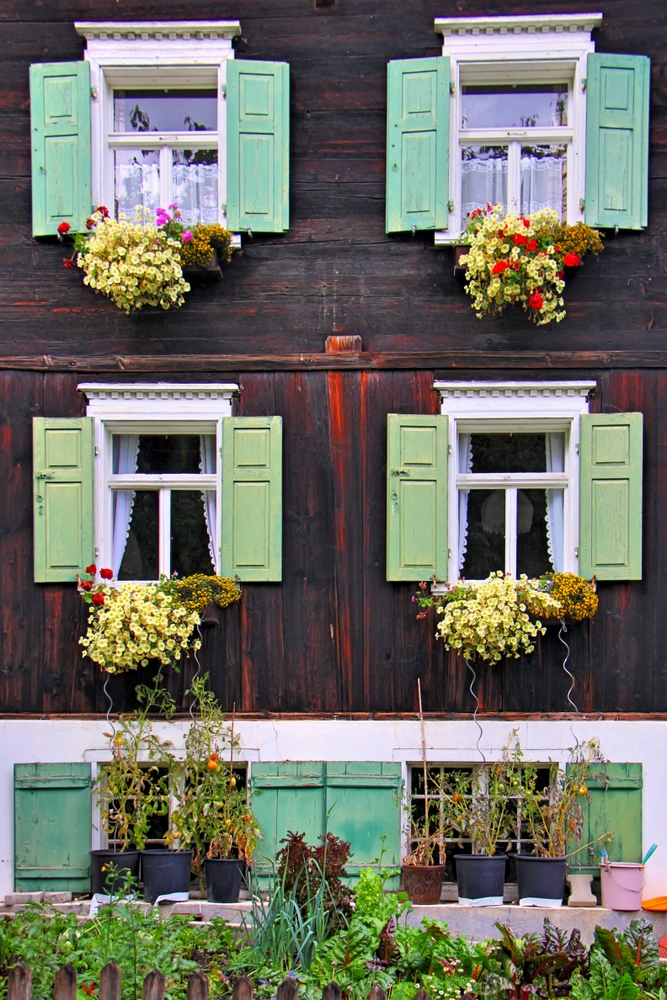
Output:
(52, 827)
(614, 806)
(610, 520)
(257, 146)
(61, 157)
(252, 498)
(359, 802)
(418, 144)
(63, 497)
(617, 107)
(417, 454)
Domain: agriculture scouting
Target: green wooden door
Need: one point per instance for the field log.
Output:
(614, 805)
(52, 827)
(360, 802)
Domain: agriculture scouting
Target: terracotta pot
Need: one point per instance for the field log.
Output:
(423, 883)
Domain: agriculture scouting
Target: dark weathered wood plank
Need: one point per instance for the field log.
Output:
(65, 983)
(153, 988)
(110, 982)
(19, 982)
(198, 988)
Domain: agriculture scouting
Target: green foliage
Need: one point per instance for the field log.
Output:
(304, 870)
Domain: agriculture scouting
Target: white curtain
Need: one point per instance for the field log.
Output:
(208, 467)
(125, 461)
(542, 182)
(464, 467)
(483, 181)
(555, 447)
(195, 191)
(137, 181)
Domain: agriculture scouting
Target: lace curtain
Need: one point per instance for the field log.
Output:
(555, 448)
(208, 466)
(125, 461)
(465, 466)
(195, 191)
(483, 181)
(542, 183)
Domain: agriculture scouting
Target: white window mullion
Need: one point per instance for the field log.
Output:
(165, 177)
(514, 177)
(164, 540)
(511, 530)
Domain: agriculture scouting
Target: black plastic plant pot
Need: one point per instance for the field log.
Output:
(223, 879)
(165, 873)
(540, 881)
(124, 862)
(480, 879)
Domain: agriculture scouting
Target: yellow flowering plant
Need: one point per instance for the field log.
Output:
(490, 620)
(132, 623)
(576, 596)
(521, 260)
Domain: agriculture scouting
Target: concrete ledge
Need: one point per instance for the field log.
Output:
(478, 922)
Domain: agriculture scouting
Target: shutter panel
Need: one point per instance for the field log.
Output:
(610, 521)
(418, 144)
(61, 157)
(359, 802)
(63, 497)
(614, 806)
(617, 108)
(52, 827)
(252, 498)
(257, 146)
(417, 459)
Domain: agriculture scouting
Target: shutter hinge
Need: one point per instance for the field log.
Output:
(582, 204)
(452, 88)
(576, 551)
(224, 208)
(450, 205)
(584, 83)
(97, 450)
(449, 449)
(93, 93)
(223, 89)
(577, 448)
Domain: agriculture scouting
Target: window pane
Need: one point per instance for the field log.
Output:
(521, 106)
(137, 180)
(140, 559)
(532, 547)
(543, 179)
(484, 177)
(195, 184)
(165, 111)
(509, 452)
(485, 541)
(177, 453)
(189, 536)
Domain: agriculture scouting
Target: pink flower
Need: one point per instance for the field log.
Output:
(187, 236)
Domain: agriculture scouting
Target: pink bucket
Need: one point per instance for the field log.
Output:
(622, 885)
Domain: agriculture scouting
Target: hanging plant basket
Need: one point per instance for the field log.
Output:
(197, 274)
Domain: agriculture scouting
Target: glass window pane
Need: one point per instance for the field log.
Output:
(533, 557)
(177, 453)
(509, 453)
(484, 177)
(165, 111)
(194, 181)
(520, 106)
(137, 181)
(140, 559)
(485, 539)
(189, 535)
(543, 179)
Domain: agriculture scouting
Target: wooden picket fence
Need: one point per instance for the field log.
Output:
(20, 986)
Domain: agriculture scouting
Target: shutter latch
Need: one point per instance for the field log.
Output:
(223, 89)
(44, 475)
(400, 472)
(584, 83)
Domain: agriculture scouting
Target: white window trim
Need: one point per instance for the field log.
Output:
(532, 407)
(159, 408)
(551, 46)
(145, 53)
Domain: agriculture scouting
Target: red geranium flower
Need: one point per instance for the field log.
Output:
(526, 222)
(92, 569)
(63, 228)
(103, 211)
(68, 263)
(571, 260)
(531, 245)
(86, 585)
(560, 274)
(89, 223)
(536, 301)
(98, 600)
(106, 574)
(516, 265)
(500, 266)
(519, 239)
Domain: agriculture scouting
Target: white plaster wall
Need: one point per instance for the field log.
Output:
(69, 740)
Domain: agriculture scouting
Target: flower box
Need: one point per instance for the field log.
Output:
(459, 250)
(195, 272)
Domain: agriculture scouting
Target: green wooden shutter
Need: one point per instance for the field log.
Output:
(360, 802)
(610, 520)
(257, 146)
(52, 827)
(617, 108)
(252, 498)
(614, 806)
(418, 144)
(61, 157)
(417, 459)
(63, 497)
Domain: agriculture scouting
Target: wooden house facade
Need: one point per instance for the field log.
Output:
(340, 308)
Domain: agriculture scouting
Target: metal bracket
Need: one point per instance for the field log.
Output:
(223, 89)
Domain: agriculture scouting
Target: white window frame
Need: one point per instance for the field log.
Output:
(521, 49)
(518, 407)
(149, 54)
(151, 408)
